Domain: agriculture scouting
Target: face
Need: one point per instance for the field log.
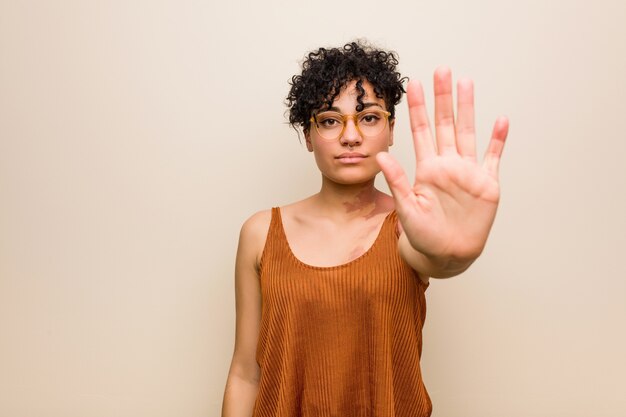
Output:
(350, 159)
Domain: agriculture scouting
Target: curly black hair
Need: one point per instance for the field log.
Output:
(326, 71)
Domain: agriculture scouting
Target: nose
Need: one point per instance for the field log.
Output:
(350, 135)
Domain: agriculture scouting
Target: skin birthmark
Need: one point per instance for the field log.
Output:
(358, 251)
(365, 202)
(367, 238)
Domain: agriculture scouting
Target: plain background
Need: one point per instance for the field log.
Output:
(137, 136)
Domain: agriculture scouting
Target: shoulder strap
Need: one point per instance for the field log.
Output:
(275, 237)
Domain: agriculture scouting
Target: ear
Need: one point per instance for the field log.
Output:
(392, 123)
(307, 138)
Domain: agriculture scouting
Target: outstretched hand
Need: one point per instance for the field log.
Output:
(448, 210)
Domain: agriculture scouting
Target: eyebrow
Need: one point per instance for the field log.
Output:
(365, 106)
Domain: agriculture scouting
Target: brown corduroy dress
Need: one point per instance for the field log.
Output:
(340, 341)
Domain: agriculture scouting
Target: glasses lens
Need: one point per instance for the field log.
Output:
(329, 124)
(371, 122)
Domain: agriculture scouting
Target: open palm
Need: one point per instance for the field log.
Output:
(449, 209)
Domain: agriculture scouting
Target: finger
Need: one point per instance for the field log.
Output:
(420, 127)
(396, 178)
(465, 128)
(496, 145)
(444, 111)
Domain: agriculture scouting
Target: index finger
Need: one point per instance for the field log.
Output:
(420, 126)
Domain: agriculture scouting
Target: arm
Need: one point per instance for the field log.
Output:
(442, 267)
(447, 214)
(243, 377)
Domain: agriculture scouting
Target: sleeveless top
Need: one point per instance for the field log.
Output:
(340, 341)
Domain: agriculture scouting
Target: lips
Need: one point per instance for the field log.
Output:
(351, 155)
(350, 158)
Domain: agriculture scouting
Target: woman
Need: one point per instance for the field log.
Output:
(330, 290)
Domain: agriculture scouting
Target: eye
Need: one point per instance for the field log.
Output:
(370, 118)
(329, 120)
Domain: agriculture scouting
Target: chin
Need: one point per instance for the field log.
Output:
(352, 178)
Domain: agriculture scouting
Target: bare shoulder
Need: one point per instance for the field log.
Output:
(257, 224)
(297, 210)
(253, 235)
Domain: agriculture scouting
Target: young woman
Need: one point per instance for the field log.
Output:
(330, 290)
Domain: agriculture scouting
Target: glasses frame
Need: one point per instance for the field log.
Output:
(345, 118)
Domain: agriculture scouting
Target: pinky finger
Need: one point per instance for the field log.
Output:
(496, 145)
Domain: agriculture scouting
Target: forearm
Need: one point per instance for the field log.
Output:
(239, 397)
(431, 266)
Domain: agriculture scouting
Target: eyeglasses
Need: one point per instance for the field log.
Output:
(330, 125)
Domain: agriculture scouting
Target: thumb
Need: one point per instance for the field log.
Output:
(395, 177)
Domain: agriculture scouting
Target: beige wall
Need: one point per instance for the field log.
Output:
(135, 137)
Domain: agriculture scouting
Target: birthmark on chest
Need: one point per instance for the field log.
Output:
(356, 252)
(364, 242)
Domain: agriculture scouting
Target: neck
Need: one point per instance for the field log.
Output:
(351, 201)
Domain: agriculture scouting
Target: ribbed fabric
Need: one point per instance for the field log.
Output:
(341, 341)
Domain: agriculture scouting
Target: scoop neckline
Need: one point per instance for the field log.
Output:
(332, 267)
